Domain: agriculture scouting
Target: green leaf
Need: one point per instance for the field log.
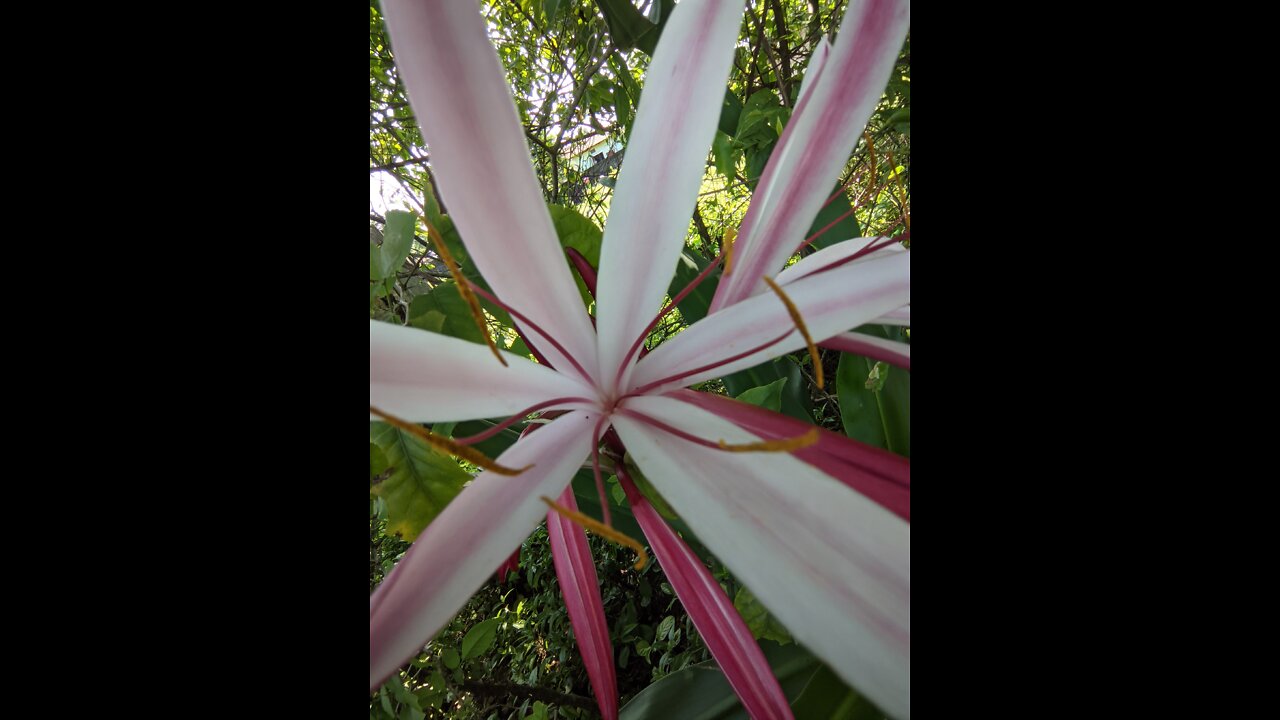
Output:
(722, 148)
(549, 9)
(443, 310)
(479, 639)
(665, 627)
(842, 230)
(421, 483)
(402, 694)
(579, 233)
(539, 711)
(377, 461)
(450, 658)
(628, 27)
(826, 696)
(397, 239)
(700, 691)
(794, 398)
(766, 396)
(876, 417)
(761, 623)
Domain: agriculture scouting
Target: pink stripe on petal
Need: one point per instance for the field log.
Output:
(722, 628)
(880, 475)
(581, 589)
(457, 552)
(876, 348)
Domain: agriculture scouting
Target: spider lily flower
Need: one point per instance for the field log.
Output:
(819, 531)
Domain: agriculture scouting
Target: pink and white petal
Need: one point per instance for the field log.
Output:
(877, 348)
(718, 622)
(580, 586)
(830, 255)
(457, 552)
(900, 317)
(832, 565)
(481, 162)
(423, 376)
(660, 177)
(879, 474)
(811, 73)
(815, 144)
(830, 303)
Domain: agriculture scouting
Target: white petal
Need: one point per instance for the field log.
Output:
(834, 253)
(423, 376)
(816, 142)
(473, 535)
(660, 177)
(830, 303)
(832, 565)
(481, 162)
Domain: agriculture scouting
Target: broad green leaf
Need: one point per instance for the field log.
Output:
(826, 696)
(766, 396)
(581, 234)
(402, 694)
(795, 399)
(444, 311)
(762, 624)
(450, 658)
(539, 711)
(630, 28)
(665, 627)
(421, 483)
(881, 418)
(549, 9)
(722, 148)
(377, 461)
(397, 240)
(842, 230)
(700, 691)
(479, 639)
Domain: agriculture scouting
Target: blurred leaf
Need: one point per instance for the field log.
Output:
(579, 233)
(700, 691)
(826, 696)
(450, 658)
(421, 483)
(397, 240)
(479, 639)
(766, 396)
(842, 230)
(762, 624)
(377, 461)
(876, 417)
(443, 310)
(722, 148)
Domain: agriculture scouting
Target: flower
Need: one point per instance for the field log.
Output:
(820, 534)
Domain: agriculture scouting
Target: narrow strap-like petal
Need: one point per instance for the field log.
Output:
(660, 177)
(890, 351)
(718, 622)
(901, 316)
(879, 474)
(830, 564)
(481, 163)
(581, 589)
(423, 376)
(841, 251)
(816, 142)
(457, 552)
(830, 303)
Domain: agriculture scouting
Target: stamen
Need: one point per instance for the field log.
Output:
(445, 445)
(871, 148)
(726, 245)
(779, 445)
(464, 289)
(486, 434)
(602, 530)
(799, 321)
(897, 176)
